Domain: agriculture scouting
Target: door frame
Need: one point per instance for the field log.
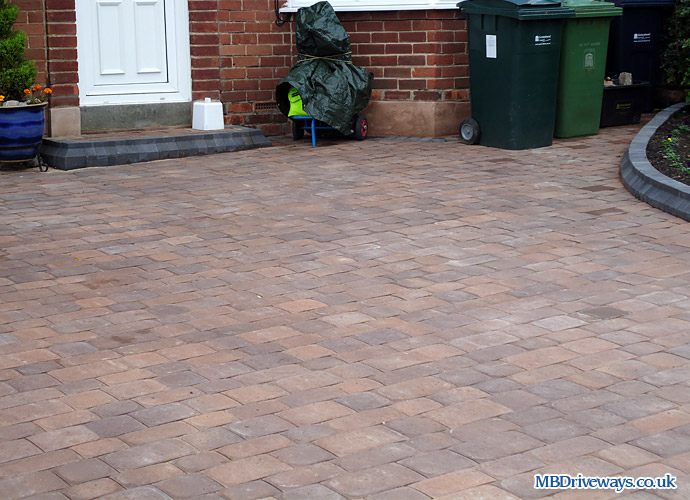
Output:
(179, 85)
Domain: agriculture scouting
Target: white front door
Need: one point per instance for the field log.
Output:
(133, 51)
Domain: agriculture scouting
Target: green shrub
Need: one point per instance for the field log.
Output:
(16, 73)
(8, 14)
(12, 49)
(675, 55)
(15, 80)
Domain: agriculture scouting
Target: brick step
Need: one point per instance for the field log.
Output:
(120, 148)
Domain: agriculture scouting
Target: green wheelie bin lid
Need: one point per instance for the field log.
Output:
(593, 8)
(522, 10)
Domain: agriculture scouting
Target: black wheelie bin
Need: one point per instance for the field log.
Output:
(515, 48)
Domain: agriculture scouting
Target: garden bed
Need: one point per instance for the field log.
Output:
(668, 149)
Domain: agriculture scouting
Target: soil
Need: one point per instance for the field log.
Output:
(655, 152)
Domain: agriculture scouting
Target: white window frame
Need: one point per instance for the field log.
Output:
(374, 5)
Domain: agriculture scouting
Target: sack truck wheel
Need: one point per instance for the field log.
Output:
(469, 131)
(361, 128)
(297, 130)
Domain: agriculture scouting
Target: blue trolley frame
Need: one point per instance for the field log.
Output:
(313, 127)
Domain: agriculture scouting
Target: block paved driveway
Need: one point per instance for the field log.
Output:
(381, 320)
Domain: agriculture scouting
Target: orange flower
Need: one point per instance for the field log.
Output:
(27, 91)
(47, 91)
(2, 98)
(37, 87)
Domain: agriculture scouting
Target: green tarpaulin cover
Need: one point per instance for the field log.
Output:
(332, 88)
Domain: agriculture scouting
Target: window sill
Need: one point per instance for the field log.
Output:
(381, 8)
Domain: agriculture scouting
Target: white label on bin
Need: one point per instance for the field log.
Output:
(642, 37)
(491, 46)
(542, 40)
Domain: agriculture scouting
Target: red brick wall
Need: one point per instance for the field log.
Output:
(204, 40)
(239, 54)
(62, 52)
(255, 55)
(414, 55)
(30, 20)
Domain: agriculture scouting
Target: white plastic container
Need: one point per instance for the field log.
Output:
(207, 115)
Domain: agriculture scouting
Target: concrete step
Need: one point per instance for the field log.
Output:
(123, 147)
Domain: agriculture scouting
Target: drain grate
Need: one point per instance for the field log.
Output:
(265, 106)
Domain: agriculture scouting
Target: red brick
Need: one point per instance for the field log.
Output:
(259, 95)
(427, 96)
(58, 78)
(398, 48)
(203, 5)
(63, 41)
(246, 61)
(381, 83)
(368, 26)
(230, 4)
(413, 37)
(452, 48)
(385, 37)
(451, 71)
(204, 39)
(259, 50)
(61, 29)
(397, 25)
(440, 83)
(385, 60)
(57, 102)
(397, 95)
(427, 25)
(205, 74)
(399, 72)
(427, 48)
(426, 72)
(60, 4)
(244, 38)
(64, 54)
(198, 16)
(455, 95)
(413, 84)
(58, 66)
(357, 38)
(203, 27)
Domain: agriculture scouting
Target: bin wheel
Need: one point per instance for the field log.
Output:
(297, 130)
(469, 131)
(361, 128)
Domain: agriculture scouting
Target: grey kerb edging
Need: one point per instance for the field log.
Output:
(647, 183)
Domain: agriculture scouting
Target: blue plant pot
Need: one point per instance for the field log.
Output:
(21, 131)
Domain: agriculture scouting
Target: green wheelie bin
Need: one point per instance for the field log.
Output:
(514, 48)
(583, 64)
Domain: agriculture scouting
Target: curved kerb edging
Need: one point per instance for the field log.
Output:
(647, 183)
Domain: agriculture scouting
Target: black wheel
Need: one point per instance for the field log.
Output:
(297, 130)
(469, 131)
(361, 128)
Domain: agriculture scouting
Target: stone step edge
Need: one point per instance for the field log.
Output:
(70, 154)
